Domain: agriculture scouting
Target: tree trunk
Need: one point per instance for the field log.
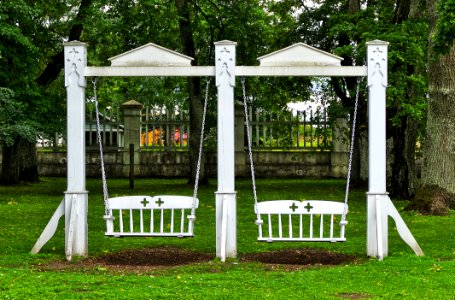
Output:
(401, 173)
(194, 89)
(360, 151)
(401, 139)
(353, 6)
(19, 163)
(56, 63)
(439, 147)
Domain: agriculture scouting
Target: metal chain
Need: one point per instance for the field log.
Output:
(201, 144)
(351, 150)
(250, 151)
(107, 210)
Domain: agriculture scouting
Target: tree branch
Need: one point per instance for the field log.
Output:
(56, 62)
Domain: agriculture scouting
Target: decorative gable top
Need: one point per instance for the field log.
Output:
(150, 55)
(300, 54)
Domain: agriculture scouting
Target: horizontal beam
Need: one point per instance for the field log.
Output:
(195, 71)
(301, 71)
(190, 71)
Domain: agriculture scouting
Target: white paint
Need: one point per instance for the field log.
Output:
(292, 70)
(140, 71)
(292, 61)
(379, 231)
(377, 84)
(76, 199)
(144, 209)
(226, 239)
(278, 71)
(50, 228)
(299, 54)
(300, 214)
(224, 229)
(379, 205)
(402, 228)
(150, 55)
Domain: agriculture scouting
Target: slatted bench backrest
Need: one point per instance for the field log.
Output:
(162, 215)
(292, 220)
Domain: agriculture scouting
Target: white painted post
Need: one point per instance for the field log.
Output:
(379, 205)
(377, 84)
(226, 206)
(76, 198)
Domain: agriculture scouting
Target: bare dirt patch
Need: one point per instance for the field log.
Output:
(142, 260)
(304, 256)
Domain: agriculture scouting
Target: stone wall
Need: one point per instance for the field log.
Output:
(278, 164)
(162, 163)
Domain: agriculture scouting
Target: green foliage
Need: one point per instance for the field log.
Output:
(31, 32)
(330, 26)
(445, 26)
(13, 121)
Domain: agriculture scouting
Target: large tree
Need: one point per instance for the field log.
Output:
(32, 32)
(344, 27)
(31, 53)
(194, 88)
(439, 150)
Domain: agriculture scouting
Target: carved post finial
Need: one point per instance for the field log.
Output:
(225, 62)
(377, 62)
(75, 62)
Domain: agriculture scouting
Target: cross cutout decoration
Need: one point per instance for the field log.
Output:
(379, 54)
(159, 202)
(293, 207)
(145, 202)
(226, 55)
(308, 207)
(74, 52)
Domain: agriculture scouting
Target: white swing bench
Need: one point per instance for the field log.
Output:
(148, 216)
(301, 221)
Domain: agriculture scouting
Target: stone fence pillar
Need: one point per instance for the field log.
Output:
(132, 131)
(340, 152)
(239, 124)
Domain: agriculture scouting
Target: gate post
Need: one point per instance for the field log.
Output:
(132, 128)
(339, 156)
(226, 206)
(240, 166)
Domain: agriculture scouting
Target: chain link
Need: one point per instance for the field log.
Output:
(351, 150)
(250, 151)
(107, 210)
(201, 144)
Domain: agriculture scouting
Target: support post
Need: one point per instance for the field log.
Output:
(377, 84)
(226, 206)
(76, 198)
(379, 205)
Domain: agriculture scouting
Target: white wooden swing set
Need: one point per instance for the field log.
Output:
(172, 215)
(309, 220)
(150, 216)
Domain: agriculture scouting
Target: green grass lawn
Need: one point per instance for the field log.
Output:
(26, 209)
